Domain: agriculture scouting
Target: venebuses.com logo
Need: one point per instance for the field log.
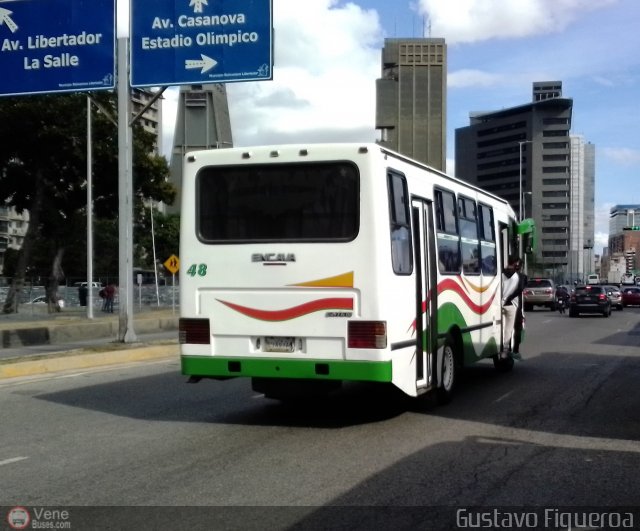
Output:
(20, 517)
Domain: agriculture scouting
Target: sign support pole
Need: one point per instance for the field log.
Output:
(126, 332)
(89, 213)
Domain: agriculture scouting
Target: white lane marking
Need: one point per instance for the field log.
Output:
(503, 397)
(24, 380)
(12, 460)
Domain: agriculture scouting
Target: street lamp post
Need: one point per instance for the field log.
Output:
(520, 200)
(524, 203)
(520, 143)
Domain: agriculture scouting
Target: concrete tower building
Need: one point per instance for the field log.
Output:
(411, 99)
(202, 122)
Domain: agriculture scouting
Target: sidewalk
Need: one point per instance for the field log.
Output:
(31, 327)
(37, 326)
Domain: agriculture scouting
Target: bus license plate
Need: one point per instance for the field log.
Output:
(279, 344)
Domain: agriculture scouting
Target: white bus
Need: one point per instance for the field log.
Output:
(304, 266)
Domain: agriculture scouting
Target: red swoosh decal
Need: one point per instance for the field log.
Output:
(333, 303)
(450, 284)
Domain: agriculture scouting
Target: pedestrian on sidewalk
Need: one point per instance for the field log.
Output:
(103, 295)
(109, 294)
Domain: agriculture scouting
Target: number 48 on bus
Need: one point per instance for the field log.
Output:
(197, 269)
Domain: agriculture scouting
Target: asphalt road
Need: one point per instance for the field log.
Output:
(561, 431)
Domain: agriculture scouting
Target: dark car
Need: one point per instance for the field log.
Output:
(589, 299)
(631, 297)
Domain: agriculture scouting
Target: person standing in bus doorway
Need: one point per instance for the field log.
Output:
(109, 295)
(518, 326)
(510, 284)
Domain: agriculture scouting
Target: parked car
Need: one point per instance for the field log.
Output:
(84, 284)
(615, 296)
(589, 299)
(42, 299)
(631, 297)
(539, 292)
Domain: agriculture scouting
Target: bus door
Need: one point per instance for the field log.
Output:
(426, 294)
(507, 247)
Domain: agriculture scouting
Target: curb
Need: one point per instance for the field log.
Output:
(83, 360)
(28, 334)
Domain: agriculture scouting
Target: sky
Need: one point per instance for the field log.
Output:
(327, 58)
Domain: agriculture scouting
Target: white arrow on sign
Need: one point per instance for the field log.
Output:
(206, 63)
(6, 19)
(197, 5)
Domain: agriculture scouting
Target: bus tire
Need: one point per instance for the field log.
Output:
(449, 373)
(502, 364)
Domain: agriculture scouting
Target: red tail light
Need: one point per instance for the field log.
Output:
(602, 296)
(194, 331)
(367, 334)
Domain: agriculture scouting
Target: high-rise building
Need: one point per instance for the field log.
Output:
(622, 217)
(526, 155)
(411, 99)
(581, 208)
(624, 240)
(545, 90)
(150, 113)
(13, 228)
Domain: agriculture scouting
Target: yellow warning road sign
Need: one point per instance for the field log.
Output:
(172, 264)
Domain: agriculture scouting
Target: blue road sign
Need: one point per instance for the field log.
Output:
(184, 42)
(56, 46)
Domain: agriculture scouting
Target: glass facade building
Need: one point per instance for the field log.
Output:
(526, 155)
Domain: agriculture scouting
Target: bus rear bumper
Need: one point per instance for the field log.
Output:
(210, 367)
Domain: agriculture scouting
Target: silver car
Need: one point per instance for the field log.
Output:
(539, 292)
(615, 296)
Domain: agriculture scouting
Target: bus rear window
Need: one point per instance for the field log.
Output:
(278, 202)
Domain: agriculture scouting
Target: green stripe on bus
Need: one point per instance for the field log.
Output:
(363, 371)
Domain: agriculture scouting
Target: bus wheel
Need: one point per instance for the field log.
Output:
(448, 375)
(502, 364)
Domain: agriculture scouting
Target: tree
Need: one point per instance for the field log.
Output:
(43, 170)
(166, 236)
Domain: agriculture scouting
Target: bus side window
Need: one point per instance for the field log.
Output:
(448, 238)
(487, 241)
(401, 259)
(469, 243)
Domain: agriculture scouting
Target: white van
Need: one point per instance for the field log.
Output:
(593, 279)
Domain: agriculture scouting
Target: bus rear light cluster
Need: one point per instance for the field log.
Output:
(194, 331)
(367, 334)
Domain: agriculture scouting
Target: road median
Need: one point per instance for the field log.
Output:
(86, 358)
